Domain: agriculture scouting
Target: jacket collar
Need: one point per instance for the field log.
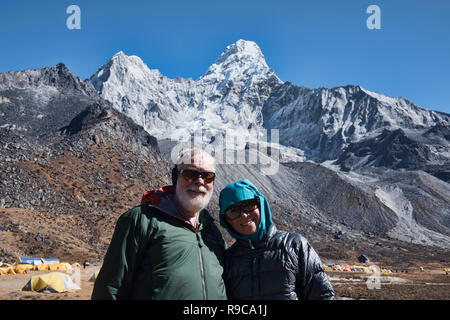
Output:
(163, 200)
(264, 240)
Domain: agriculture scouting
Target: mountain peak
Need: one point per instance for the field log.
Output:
(61, 67)
(244, 47)
(57, 76)
(242, 51)
(240, 59)
(121, 66)
(121, 58)
(120, 54)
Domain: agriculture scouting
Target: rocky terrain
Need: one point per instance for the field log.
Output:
(361, 173)
(70, 180)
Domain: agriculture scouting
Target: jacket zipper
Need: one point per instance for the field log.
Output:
(202, 271)
(253, 277)
(195, 229)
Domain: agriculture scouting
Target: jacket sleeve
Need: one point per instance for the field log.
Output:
(315, 283)
(115, 279)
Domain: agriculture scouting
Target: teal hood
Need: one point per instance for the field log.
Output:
(240, 191)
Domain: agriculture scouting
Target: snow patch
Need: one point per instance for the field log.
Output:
(407, 228)
(380, 97)
(4, 100)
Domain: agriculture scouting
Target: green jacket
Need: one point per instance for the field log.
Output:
(155, 254)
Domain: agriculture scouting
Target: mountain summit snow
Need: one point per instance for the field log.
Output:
(229, 96)
(240, 59)
(239, 92)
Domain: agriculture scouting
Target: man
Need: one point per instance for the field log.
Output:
(168, 247)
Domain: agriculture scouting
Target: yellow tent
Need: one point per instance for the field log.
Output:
(19, 269)
(7, 270)
(65, 266)
(25, 265)
(53, 282)
(52, 266)
(40, 267)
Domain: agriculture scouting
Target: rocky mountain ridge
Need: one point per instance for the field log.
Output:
(80, 157)
(239, 92)
(67, 176)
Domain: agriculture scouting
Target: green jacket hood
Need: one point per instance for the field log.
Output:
(163, 200)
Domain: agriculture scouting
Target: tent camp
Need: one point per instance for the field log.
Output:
(20, 269)
(40, 264)
(53, 282)
(6, 270)
(35, 260)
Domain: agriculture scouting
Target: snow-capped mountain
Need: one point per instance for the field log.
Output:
(351, 130)
(229, 96)
(323, 122)
(53, 124)
(240, 92)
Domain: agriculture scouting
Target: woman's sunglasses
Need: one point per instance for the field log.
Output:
(192, 175)
(234, 211)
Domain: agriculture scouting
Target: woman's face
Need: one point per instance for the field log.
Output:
(248, 220)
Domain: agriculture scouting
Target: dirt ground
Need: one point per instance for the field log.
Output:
(414, 285)
(11, 287)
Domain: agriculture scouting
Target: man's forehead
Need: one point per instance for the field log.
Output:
(196, 159)
(204, 164)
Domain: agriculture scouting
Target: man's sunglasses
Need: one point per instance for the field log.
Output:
(192, 175)
(234, 211)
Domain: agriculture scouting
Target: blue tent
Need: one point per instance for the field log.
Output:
(29, 260)
(35, 260)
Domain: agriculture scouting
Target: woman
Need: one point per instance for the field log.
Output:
(266, 263)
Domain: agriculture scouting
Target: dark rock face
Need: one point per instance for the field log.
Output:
(35, 104)
(330, 123)
(399, 150)
(66, 154)
(57, 77)
(115, 123)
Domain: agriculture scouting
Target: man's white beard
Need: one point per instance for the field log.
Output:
(191, 203)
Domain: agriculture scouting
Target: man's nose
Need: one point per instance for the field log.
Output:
(199, 179)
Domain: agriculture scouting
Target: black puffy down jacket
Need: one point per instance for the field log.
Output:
(283, 266)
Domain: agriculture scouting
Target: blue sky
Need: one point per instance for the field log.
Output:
(311, 43)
